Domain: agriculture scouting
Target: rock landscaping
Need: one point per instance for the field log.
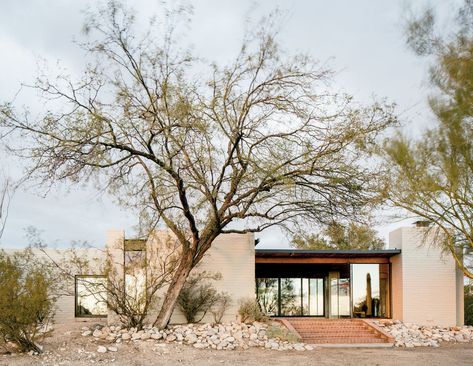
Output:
(413, 335)
(201, 336)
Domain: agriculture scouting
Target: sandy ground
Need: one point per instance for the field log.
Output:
(69, 348)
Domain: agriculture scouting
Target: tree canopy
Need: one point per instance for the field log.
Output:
(432, 177)
(339, 236)
(202, 148)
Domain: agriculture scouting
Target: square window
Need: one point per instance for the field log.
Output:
(90, 296)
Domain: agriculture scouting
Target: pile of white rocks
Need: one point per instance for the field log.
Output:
(414, 335)
(202, 336)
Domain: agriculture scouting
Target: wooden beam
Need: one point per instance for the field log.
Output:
(319, 260)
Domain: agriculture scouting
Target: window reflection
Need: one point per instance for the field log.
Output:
(370, 290)
(267, 295)
(291, 296)
(316, 296)
(90, 296)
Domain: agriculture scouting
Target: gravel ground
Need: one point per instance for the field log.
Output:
(69, 348)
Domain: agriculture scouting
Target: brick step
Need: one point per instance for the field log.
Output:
(305, 336)
(343, 341)
(335, 335)
(336, 331)
(358, 327)
(325, 325)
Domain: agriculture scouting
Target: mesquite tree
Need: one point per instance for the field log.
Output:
(431, 177)
(202, 148)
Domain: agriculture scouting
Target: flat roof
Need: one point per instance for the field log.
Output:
(326, 253)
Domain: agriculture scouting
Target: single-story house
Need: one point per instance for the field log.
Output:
(411, 280)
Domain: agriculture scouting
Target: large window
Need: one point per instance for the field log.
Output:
(90, 296)
(370, 290)
(291, 296)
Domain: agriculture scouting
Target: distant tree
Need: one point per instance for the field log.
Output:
(432, 177)
(338, 236)
(200, 148)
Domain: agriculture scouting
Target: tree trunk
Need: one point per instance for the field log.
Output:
(177, 282)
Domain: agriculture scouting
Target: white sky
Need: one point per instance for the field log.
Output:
(362, 40)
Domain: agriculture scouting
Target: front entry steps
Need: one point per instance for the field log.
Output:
(338, 332)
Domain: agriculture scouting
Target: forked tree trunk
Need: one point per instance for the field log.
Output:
(177, 282)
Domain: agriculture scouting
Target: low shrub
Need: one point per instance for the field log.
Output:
(281, 333)
(222, 304)
(198, 296)
(250, 311)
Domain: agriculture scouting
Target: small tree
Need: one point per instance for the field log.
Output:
(432, 177)
(28, 292)
(237, 148)
(338, 236)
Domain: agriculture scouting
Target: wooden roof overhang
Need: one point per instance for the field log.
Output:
(290, 256)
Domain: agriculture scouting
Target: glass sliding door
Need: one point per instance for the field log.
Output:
(291, 296)
(316, 297)
(339, 295)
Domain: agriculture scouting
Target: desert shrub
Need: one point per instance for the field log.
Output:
(28, 292)
(198, 296)
(222, 304)
(250, 311)
(281, 333)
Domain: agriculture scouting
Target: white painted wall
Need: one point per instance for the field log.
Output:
(426, 286)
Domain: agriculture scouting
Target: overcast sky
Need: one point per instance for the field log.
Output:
(362, 41)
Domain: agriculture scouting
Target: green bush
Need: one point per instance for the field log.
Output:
(26, 299)
(250, 311)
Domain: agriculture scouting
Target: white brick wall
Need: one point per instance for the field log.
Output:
(424, 281)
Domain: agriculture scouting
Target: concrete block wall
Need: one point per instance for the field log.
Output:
(233, 256)
(425, 282)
